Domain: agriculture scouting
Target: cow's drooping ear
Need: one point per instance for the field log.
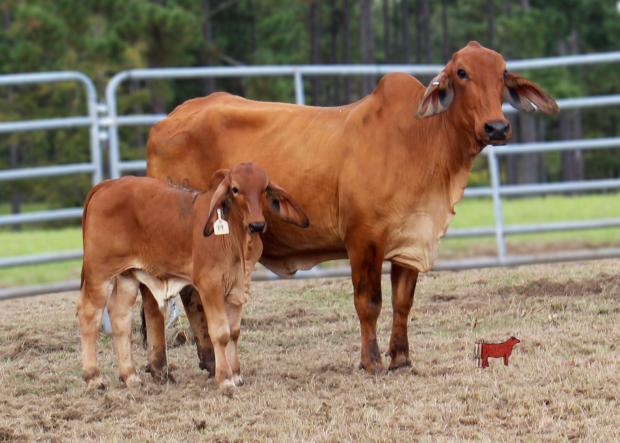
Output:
(523, 94)
(282, 205)
(219, 195)
(437, 97)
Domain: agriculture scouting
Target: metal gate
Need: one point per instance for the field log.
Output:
(496, 190)
(94, 167)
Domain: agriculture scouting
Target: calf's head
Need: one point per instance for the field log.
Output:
(247, 189)
(473, 85)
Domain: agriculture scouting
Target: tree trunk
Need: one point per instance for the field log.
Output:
(425, 48)
(405, 31)
(386, 31)
(570, 125)
(315, 52)
(366, 40)
(530, 165)
(445, 47)
(207, 35)
(512, 161)
(16, 195)
(491, 24)
(418, 32)
(333, 31)
(346, 46)
(570, 129)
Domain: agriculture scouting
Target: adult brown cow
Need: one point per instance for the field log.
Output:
(379, 178)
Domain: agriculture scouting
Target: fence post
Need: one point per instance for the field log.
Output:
(95, 145)
(110, 95)
(299, 88)
(497, 204)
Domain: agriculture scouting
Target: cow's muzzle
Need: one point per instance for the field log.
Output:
(497, 132)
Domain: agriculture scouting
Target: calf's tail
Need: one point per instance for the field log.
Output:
(89, 196)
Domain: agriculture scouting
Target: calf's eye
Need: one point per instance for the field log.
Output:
(461, 73)
(235, 190)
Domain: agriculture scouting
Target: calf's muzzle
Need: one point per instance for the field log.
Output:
(257, 227)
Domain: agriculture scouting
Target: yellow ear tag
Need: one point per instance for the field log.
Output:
(220, 226)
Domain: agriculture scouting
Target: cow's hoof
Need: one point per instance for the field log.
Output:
(373, 368)
(238, 380)
(132, 381)
(161, 376)
(208, 366)
(96, 384)
(227, 387)
(399, 361)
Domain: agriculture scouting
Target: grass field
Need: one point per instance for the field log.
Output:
(470, 213)
(299, 354)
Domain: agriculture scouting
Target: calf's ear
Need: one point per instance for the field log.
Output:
(526, 95)
(437, 97)
(282, 205)
(223, 180)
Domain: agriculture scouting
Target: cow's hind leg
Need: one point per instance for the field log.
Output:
(198, 322)
(366, 261)
(156, 337)
(403, 288)
(90, 306)
(120, 307)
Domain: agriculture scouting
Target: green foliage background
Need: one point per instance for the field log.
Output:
(102, 37)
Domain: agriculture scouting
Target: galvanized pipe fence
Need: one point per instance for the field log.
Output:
(104, 122)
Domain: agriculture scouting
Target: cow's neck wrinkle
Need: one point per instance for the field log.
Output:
(441, 167)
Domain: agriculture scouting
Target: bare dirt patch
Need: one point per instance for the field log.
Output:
(300, 349)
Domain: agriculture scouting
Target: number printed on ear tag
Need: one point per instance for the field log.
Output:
(220, 227)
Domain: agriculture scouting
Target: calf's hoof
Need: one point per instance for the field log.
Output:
(132, 381)
(96, 384)
(227, 387)
(238, 380)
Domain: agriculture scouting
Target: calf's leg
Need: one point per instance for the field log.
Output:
(120, 304)
(214, 305)
(366, 261)
(403, 288)
(156, 337)
(90, 304)
(198, 322)
(234, 312)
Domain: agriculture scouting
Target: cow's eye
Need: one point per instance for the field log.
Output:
(461, 73)
(235, 190)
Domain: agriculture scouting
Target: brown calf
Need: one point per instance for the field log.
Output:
(142, 231)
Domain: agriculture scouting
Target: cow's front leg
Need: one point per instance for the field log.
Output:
(403, 288)
(366, 261)
(198, 322)
(214, 305)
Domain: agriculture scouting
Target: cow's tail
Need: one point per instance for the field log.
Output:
(92, 192)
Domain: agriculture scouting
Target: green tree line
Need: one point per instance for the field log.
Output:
(102, 37)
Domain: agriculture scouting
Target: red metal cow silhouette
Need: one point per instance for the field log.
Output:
(483, 351)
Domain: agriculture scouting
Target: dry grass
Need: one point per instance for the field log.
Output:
(300, 349)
